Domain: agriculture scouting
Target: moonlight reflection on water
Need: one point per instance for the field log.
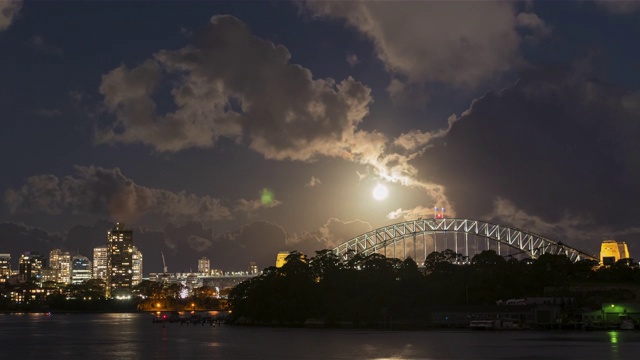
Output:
(134, 336)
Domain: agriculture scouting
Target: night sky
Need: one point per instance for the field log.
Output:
(234, 130)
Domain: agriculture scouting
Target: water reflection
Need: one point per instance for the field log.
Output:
(134, 336)
(613, 339)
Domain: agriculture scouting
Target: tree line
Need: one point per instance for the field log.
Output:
(363, 290)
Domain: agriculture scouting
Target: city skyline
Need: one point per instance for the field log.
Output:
(59, 264)
(236, 130)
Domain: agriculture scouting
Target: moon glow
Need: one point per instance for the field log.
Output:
(380, 192)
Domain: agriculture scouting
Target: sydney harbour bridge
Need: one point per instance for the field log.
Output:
(466, 237)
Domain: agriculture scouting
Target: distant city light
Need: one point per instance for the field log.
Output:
(184, 293)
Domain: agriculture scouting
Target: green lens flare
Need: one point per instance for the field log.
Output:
(266, 196)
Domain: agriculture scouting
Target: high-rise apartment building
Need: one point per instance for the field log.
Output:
(30, 265)
(100, 263)
(80, 269)
(136, 267)
(119, 261)
(60, 264)
(5, 267)
(204, 266)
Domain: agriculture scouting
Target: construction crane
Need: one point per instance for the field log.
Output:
(164, 277)
(164, 264)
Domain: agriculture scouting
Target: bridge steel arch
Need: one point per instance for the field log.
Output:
(532, 244)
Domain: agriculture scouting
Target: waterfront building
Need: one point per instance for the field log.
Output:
(30, 266)
(136, 267)
(204, 266)
(119, 261)
(100, 263)
(60, 263)
(80, 269)
(612, 251)
(5, 267)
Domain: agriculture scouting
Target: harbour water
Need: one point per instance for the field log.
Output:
(134, 336)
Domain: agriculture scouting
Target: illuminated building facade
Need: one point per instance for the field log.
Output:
(253, 267)
(60, 263)
(204, 266)
(5, 267)
(136, 267)
(47, 274)
(80, 269)
(281, 258)
(612, 251)
(100, 263)
(119, 261)
(30, 266)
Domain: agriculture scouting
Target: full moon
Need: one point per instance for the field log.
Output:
(380, 192)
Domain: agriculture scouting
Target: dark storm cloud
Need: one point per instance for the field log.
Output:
(9, 10)
(620, 7)
(41, 193)
(40, 45)
(260, 241)
(183, 245)
(418, 41)
(335, 231)
(313, 182)
(556, 145)
(18, 238)
(83, 239)
(107, 192)
(230, 83)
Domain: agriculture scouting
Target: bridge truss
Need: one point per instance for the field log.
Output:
(423, 235)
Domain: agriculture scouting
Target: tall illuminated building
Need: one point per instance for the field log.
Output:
(136, 267)
(30, 266)
(100, 263)
(60, 264)
(119, 261)
(80, 269)
(5, 267)
(204, 266)
(612, 251)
